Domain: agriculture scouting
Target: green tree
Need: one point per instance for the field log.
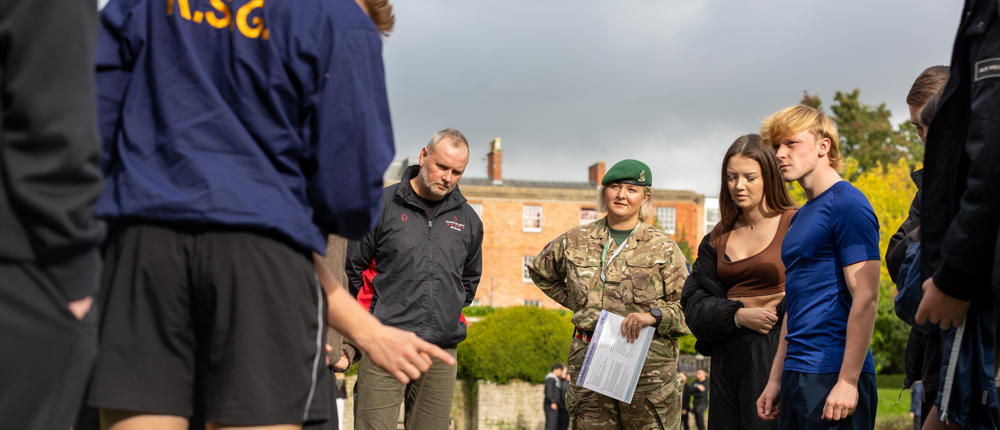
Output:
(866, 132)
(911, 140)
(685, 245)
(812, 100)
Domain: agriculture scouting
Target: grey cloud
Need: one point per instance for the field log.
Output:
(566, 83)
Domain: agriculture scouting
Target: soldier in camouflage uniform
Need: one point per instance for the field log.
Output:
(643, 273)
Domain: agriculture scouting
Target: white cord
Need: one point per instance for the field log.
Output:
(949, 379)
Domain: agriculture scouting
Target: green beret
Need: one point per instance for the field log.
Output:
(632, 172)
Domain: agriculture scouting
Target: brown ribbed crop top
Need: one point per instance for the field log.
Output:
(759, 275)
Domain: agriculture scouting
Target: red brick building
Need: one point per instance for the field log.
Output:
(520, 217)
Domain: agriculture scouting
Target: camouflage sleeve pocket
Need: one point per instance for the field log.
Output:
(581, 271)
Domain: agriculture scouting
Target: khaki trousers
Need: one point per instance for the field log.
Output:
(428, 399)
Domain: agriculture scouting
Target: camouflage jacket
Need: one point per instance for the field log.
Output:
(648, 273)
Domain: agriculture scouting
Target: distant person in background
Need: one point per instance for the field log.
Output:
(734, 299)
(563, 413)
(699, 398)
(552, 391)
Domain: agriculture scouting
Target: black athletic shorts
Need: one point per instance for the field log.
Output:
(803, 396)
(224, 324)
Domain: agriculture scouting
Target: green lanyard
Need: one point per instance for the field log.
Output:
(604, 254)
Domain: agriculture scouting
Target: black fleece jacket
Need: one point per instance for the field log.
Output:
(49, 146)
(960, 203)
(426, 270)
(707, 311)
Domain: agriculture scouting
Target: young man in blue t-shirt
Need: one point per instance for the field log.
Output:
(823, 371)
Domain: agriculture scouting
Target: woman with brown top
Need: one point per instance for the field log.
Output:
(734, 298)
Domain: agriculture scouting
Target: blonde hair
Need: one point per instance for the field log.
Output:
(645, 211)
(796, 119)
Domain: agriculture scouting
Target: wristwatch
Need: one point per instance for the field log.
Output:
(656, 313)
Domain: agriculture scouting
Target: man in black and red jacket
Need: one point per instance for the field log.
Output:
(426, 254)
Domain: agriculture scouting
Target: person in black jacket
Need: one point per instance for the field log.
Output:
(733, 299)
(427, 255)
(923, 351)
(553, 382)
(49, 183)
(961, 211)
(960, 208)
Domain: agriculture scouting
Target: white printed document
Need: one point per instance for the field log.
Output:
(613, 365)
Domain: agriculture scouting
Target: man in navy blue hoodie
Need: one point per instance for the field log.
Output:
(237, 136)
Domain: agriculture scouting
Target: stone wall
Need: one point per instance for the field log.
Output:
(516, 405)
(482, 405)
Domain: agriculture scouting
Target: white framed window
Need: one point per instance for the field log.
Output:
(666, 216)
(532, 218)
(533, 303)
(588, 215)
(525, 275)
(478, 207)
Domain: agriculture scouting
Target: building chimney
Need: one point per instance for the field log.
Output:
(494, 162)
(595, 173)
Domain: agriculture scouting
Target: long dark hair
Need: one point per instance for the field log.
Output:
(776, 196)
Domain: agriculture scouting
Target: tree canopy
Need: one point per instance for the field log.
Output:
(867, 134)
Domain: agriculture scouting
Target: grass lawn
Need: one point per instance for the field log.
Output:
(887, 406)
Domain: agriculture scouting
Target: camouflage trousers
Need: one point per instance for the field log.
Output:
(656, 403)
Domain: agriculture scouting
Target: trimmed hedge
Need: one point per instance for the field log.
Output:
(478, 311)
(515, 343)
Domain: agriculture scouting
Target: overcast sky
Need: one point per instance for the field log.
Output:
(669, 82)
